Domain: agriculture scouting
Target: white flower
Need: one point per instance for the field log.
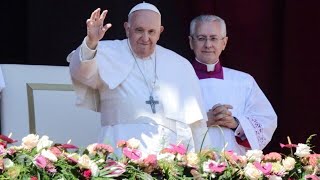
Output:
(85, 161)
(49, 155)
(94, 169)
(252, 172)
(133, 143)
(192, 159)
(278, 169)
(74, 156)
(166, 156)
(288, 163)
(16, 148)
(206, 166)
(43, 143)
(254, 155)
(30, 141)
(179, 157)
(91, 148)
(302, 150)
(100, 161)
(274, 177)
(7, 163)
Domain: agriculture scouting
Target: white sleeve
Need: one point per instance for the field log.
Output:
(86, 52)
(83, 66)
(259, 120)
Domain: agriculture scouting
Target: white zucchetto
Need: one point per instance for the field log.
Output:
(144, 6)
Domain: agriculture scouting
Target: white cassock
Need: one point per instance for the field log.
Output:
(257, 118)
(109, 81)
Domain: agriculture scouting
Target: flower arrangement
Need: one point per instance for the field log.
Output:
(39, 158)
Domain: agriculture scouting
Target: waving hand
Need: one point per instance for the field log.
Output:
(96, 28)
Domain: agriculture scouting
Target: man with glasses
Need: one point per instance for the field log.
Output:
(240, 116)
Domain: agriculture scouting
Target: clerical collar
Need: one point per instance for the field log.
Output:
(210, 67)
(202, 72)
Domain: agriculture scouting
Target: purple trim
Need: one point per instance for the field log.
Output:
(202, 73)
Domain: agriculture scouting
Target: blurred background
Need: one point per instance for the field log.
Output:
(276, 41)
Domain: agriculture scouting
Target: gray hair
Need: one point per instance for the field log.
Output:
(208, 18)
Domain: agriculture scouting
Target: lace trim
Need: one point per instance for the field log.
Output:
(259, 132)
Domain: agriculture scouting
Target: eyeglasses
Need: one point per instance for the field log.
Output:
(203, 39)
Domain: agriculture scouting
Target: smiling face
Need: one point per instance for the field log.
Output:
(208, 41)
(143, 30)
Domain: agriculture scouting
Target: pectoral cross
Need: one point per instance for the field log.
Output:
(152, 103)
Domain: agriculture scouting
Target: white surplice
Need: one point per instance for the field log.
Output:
(112, 83)
(257, 118)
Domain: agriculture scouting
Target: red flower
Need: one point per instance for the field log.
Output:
(33, 178)
(7, 139)
(68, 146)
(4, 140)
(87, 173)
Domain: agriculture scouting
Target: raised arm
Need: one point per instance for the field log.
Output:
(95, 28)
(83, 65)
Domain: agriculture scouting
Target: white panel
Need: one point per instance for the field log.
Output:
(55, 112)
(57, 117)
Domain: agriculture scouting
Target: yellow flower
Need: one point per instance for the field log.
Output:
(14, 172)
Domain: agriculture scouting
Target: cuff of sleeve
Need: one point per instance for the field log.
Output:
(86, 52)
(239, 131)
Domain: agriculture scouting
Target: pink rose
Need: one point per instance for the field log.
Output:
(151, 160)
(273, 156)
(314, 159)
(104, 148)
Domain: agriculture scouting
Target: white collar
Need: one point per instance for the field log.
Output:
(210, 67)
